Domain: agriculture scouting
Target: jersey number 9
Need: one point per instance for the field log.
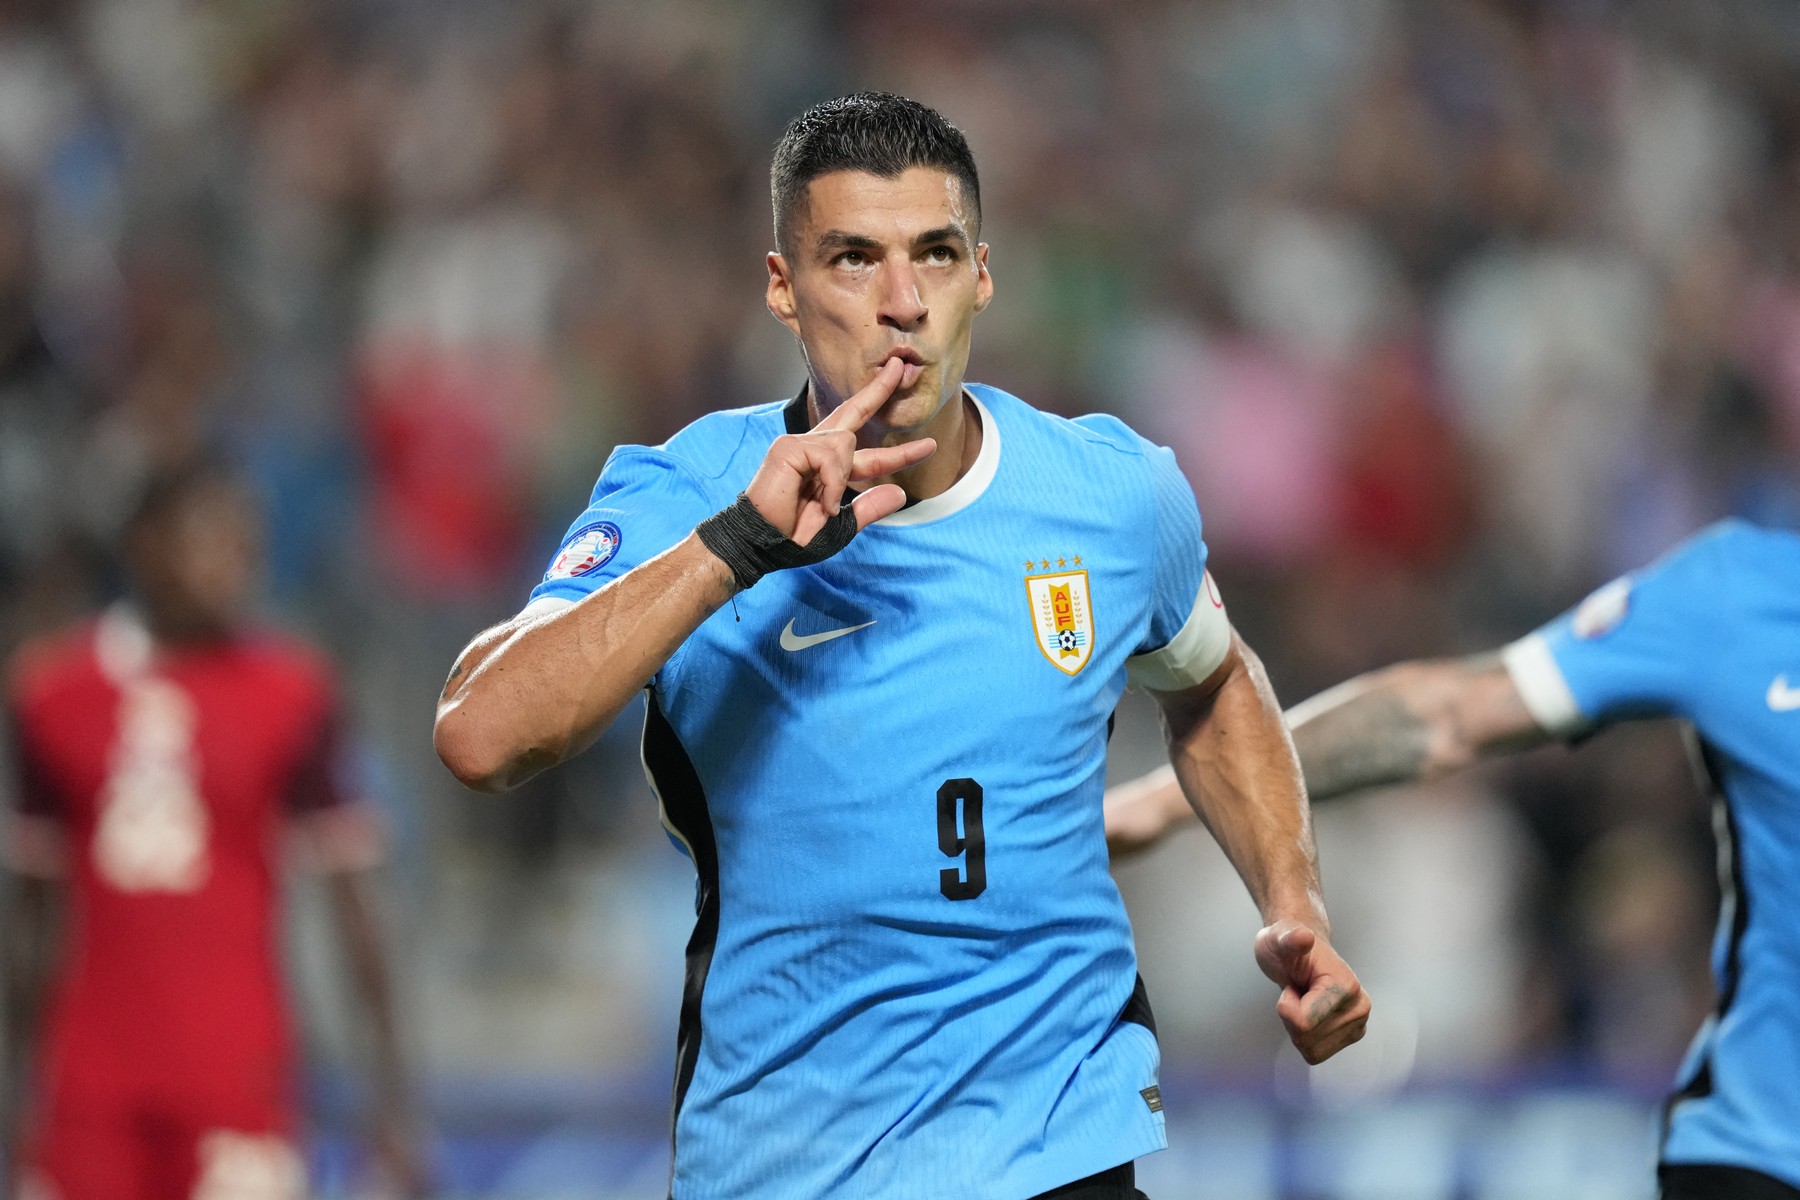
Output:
(969, 841)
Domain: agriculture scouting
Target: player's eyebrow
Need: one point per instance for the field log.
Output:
(833, 241)
(836, 239)
(943, 233)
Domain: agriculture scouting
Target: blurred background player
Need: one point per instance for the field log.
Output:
(1710, 634)
(166, 754)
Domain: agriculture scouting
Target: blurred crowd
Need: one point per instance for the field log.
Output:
(1451, 311)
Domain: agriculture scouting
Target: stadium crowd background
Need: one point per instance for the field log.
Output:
(1451, 311)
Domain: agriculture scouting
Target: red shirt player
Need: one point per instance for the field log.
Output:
(164, 754)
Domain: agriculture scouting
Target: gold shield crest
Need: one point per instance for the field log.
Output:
(1062, 616)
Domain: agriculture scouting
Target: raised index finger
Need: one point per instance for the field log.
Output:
(853, 412)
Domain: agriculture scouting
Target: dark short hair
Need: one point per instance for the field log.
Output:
(877, 132)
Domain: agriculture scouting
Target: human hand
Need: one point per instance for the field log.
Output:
(1141, 811)
(1322, 1003)
(802, 479)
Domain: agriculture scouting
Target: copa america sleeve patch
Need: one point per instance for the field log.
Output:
(1194, 653)
(1602, 612)
(587, 550)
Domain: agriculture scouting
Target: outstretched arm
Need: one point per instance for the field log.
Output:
(1233, 760)
(1414, 720)
(535, 690)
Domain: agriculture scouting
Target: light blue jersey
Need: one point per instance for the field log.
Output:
(1711, 633)
(911, 974)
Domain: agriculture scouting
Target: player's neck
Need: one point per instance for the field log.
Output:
(957, 430)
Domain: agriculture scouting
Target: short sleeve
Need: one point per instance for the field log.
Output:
(1188, 633)
(1631, 649)
(317, 780)
(645, 502)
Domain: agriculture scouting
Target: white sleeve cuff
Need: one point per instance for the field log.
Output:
(1542, 687)
(544, 605)
(1193, 653)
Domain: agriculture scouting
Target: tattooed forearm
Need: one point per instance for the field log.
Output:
(1410, 721)
(1373, 739)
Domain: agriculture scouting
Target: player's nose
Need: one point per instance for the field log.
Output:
(901, 305)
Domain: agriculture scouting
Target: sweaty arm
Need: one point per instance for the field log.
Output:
(535, 690)
(1232, 759)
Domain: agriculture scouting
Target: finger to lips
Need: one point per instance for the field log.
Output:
(851, 414)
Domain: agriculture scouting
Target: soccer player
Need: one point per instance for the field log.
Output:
(877, 722)
(1710, 634)
(161, 754)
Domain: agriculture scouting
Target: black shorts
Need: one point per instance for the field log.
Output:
(1691, 1181)
(1120, 1183)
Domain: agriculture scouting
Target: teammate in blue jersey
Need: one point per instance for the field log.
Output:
(1710, 634)
(879, 727)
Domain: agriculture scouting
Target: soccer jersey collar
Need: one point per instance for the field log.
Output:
(957, 496)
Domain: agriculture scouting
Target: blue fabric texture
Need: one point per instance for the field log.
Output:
(1711, 633)
(912, 967)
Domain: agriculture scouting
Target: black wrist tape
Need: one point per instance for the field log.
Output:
(752, 547)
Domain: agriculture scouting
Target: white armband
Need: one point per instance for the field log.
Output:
(1542, 687)
(1194, 653)
(545, 605)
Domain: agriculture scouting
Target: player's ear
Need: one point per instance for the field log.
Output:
(984, 282)
(780, 296)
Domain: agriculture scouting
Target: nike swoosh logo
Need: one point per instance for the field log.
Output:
(1783, 698)
(800, 641)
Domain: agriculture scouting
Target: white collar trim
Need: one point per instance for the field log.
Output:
(964, 491)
